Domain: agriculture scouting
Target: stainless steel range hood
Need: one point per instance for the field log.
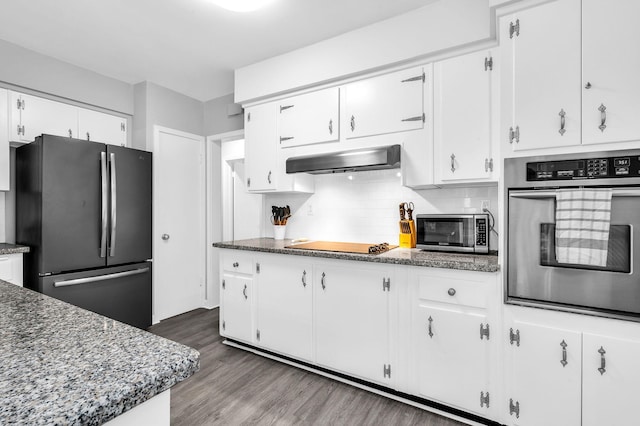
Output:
(386, 157)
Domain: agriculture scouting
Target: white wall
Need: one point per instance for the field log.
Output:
(413, 36)
(216, 117)
(365, 209)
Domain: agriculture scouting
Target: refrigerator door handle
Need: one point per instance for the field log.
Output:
(112, 239)
(100, 277)
(103, 177)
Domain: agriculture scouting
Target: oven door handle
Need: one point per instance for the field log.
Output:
(535, 194)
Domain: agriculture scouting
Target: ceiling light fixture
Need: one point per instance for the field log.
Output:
(242, 5)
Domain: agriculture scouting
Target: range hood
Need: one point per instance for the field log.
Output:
(386, 157)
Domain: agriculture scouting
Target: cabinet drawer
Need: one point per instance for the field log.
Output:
(11, 268)
(449, 289)
(237, 262)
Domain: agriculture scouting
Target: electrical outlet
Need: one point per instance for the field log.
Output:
(309, 209)
(484, 205)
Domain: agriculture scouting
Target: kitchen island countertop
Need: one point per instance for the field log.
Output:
(7, 248)
(65, 365)
(398, 256)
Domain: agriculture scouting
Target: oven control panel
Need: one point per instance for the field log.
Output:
(588, 168)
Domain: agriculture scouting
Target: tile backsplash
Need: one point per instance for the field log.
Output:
(363, 206)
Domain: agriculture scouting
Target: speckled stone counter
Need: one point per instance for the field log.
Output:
(6, 248)
(65, 365)
(398, 256)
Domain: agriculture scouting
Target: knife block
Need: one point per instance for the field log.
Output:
(404, 240)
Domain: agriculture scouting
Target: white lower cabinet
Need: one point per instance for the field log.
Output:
(11, 268)
(455, 338)
(284, 302)
(352, 321)
(543, 375)
(236, 296)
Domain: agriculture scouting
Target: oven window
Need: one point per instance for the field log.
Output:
(618, 252)
(448, 232)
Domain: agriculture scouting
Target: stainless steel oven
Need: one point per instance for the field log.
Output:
(534, 275)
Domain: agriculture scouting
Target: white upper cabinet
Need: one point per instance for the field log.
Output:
(386, 104)
(611, 61)
(4, 140)
(260, 147)
(540, 52)
(99, 127)
(309, 118)
(463, 113)
(32, 116)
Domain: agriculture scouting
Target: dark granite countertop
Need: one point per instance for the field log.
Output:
(398, 256)
(64, 365)
(6, 248)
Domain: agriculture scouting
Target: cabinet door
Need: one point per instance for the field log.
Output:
(611, 60)
(261, 160)
(453, 357)
(11, 268)
(462, 117)
(310, 118)
(352, 320)
(611, 374)
(99, 127)
(543, 375)
(38, 116)
(4, 140)
(236, 320)
(284, 306)
(386, 104)
(540, 51)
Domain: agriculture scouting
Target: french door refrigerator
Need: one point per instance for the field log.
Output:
(84, 209)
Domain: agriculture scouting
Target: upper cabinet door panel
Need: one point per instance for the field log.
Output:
(385, 104)
(546, 70)
(462, 117)
(261, 161)
(99, 127)
(309, 118)
(38, 116)
(611, 60)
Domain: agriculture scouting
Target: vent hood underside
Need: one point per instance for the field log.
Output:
(386, 157)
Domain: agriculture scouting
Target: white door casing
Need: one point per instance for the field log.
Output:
(178, 215)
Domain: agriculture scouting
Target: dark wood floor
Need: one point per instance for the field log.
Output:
(236, 387)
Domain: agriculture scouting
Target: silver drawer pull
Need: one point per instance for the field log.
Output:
(100, 278)
(452, 291)
(603, 361)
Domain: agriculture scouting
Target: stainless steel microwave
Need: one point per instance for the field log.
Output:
(467, 233)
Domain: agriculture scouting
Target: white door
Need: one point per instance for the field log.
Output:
(179, 244)
(610, 377)
(611, 59)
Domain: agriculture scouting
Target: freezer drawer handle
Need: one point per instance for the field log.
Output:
(100, 277)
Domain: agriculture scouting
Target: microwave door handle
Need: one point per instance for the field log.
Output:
(621, 192)
(104, 196)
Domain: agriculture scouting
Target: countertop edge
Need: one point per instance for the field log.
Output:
(8, 248)
(386, 258)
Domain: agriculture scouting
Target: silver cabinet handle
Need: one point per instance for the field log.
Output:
(588, 85)
(285, 138)
(304, 278)
(453, 164)
(88, 136)
(236, 264)
(244, 291)
(322, 281)
(562, 122)
(269, 177)
(564, 361)
(603, 117)
(70, 133)
(416, 118)
(330, 127)
(114, 197)
(452, 291)
(353, 123)
(430, 328)
(603, 361)
(514, 408)
(165, 237)
(284, 107)
(100, 278)
(514, 135)
(514, 28)
(103, 178)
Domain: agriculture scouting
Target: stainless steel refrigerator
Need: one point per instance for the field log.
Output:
(84, 209)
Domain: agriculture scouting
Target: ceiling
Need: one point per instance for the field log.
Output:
(190, 46)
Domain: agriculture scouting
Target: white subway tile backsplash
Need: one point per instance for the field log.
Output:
(365, 209)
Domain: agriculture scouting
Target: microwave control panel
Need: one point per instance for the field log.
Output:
(588, 168)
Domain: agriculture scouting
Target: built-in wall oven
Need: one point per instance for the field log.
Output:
(535, 277)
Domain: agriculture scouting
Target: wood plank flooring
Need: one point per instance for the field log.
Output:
(235, 387)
